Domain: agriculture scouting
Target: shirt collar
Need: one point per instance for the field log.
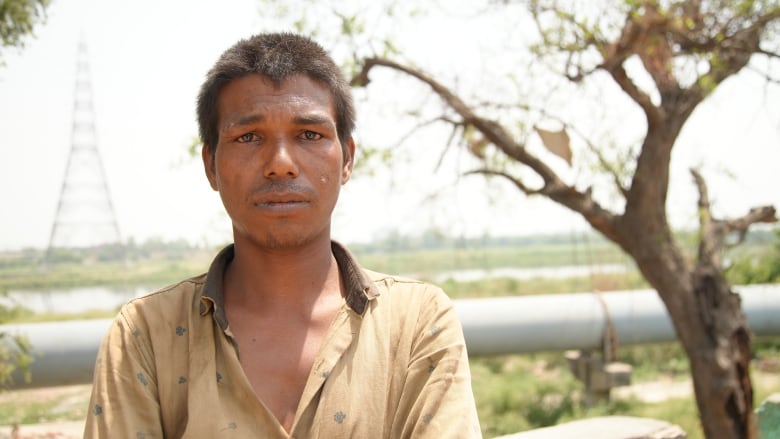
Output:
(359, 287)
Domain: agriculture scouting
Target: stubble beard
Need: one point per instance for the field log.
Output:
(286, 238)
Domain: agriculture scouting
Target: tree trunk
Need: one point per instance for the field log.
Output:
(713, 331)
(717, 341)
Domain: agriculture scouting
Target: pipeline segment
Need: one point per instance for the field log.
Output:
(65, 352)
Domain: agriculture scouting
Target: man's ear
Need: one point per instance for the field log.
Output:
(209, 166)
(349, 160)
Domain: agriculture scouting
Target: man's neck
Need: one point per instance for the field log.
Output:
(272, 278)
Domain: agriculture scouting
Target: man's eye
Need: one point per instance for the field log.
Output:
(311, 135)
(248, 137)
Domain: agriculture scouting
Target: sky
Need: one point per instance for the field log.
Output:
(148, 59)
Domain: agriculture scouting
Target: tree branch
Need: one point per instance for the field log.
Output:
(553, 186)
(608, 167)
(768, 53)
(491, 130)
(713, 232)
(618, 73)
(761, 214)
(769, 79)
(515, 181)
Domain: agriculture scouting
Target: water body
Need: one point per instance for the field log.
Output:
(77, 300)
(72, 300)
(560, 272)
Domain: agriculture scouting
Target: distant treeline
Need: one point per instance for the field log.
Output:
(434, 239)
(159, 262)
(156, 248)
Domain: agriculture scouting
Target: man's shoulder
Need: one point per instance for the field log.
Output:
(170, 296)
(378, 277)
(398, 285)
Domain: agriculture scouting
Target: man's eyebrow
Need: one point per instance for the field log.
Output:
(248, 120)
(242, 122)
(312, 119)
(303, 119)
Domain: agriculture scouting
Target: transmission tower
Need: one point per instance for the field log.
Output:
(85, 216)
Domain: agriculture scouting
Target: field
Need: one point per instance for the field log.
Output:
(514, 392)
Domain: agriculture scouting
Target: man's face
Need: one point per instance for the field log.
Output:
(278, 165)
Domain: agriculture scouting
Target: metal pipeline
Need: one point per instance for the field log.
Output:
(560, 322)
(65, 351)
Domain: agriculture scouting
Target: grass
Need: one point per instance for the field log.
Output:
(515, 287)
(522, 392)
(513, 393)
(426, 262)
(28, 272)
(30, 317)
(35, 406)
(70, 275)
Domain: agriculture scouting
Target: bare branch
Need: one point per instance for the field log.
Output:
(620, 76)
(769, 79)
(491, 130)
(553, 187)
(762, 214)
(450, 141)
(595, 149)
(713, 231)
(416, 128)
(515, 181)
(585, 37)
(768, 53)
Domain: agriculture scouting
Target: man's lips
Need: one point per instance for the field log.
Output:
(286, 206)
(282, 196)
(280, 201)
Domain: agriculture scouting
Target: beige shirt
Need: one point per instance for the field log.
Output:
(393, 365)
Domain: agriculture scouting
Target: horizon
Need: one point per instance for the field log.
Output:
(144, 90)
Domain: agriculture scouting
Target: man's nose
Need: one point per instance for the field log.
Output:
(279, 160)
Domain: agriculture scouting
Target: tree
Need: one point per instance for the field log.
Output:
(18, 18)
(666, 57)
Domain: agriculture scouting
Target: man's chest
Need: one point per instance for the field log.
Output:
(329, 385)
(276, 356)
(277, 366)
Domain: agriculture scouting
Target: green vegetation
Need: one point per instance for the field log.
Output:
(14, 348)
(757, 264)
(522, 392)
(35, 406)
(513, 392)
(18, 19)
(516, 287)
(157, 263)
(431, 257)
(154, 263)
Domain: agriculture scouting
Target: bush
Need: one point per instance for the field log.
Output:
(14, 349)
(757, 268)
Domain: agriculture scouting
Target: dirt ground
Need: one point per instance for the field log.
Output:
(58, 407)
(61, 405)
(49, 430)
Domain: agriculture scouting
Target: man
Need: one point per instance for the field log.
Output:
(285, 336)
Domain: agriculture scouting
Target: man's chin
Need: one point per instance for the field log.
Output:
(287, 239)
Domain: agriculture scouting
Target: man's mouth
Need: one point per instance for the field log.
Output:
(281, 201)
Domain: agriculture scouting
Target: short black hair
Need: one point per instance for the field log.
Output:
(277, 56)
